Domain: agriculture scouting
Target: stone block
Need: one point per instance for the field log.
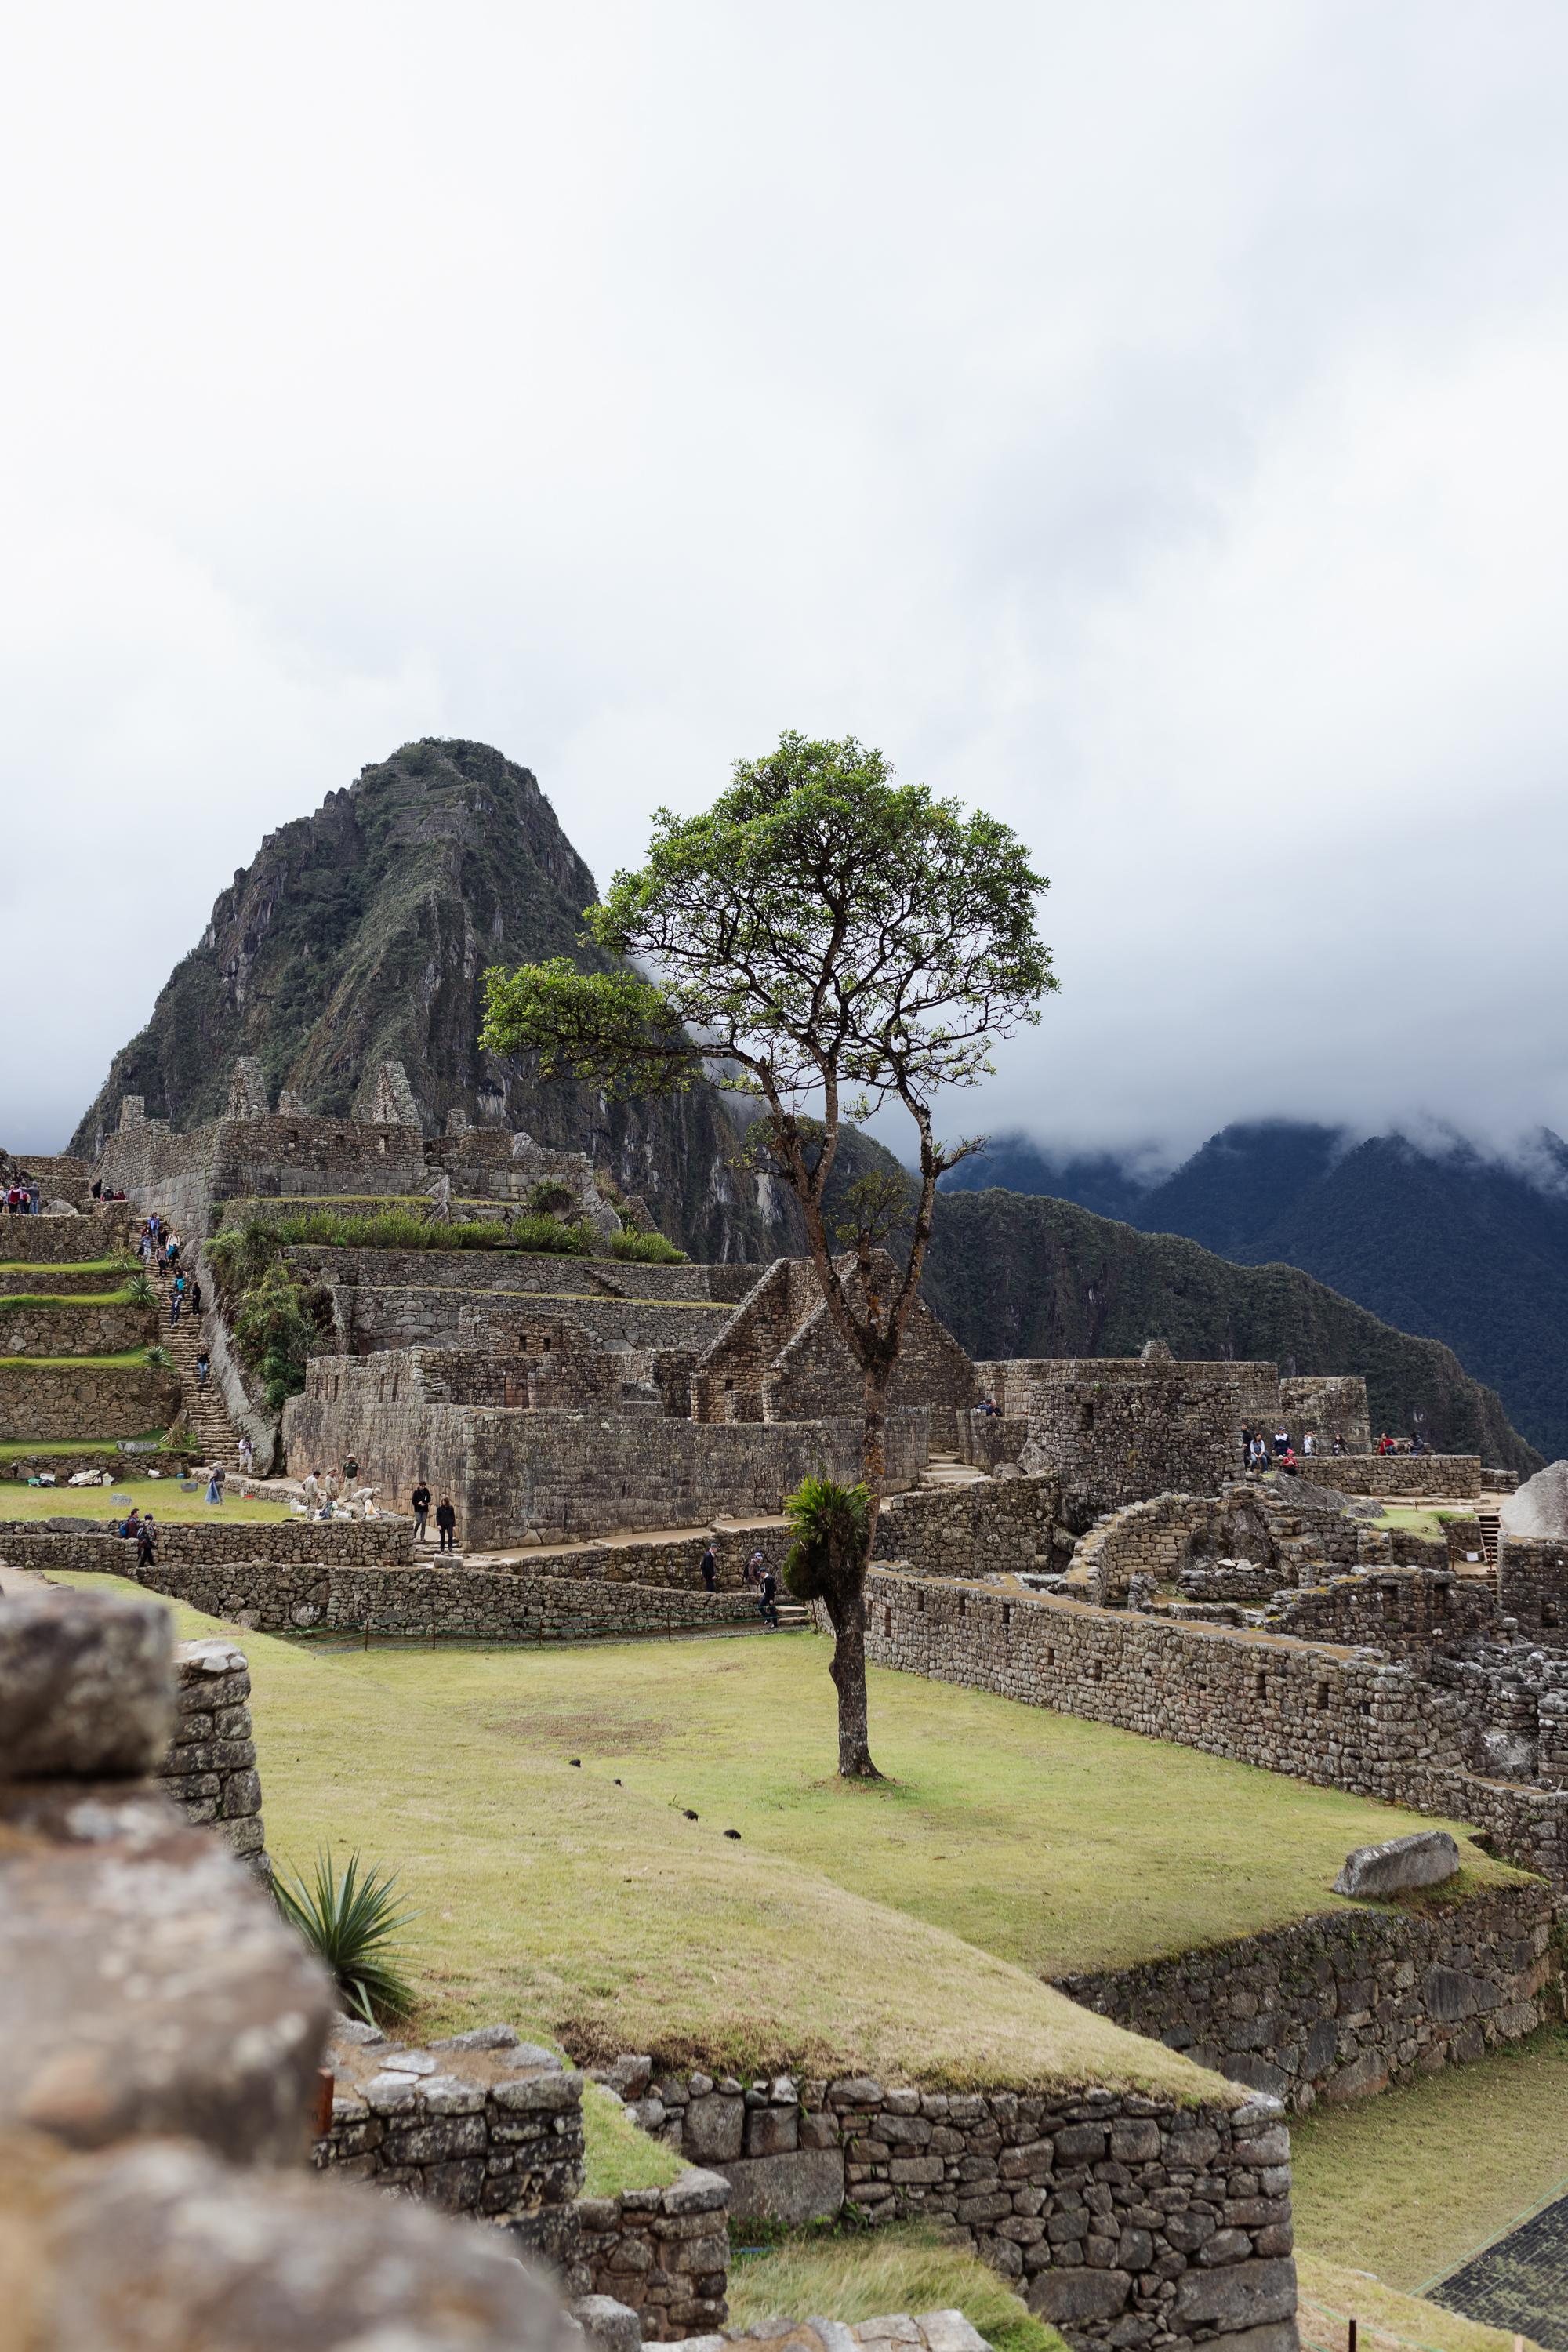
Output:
(1362, 2078)
(770, 2131)
(1424, 1859)
(87, 1685)
(794, 2188)
(1134, 2140)
(711, 2129)
(609, 2326)
(697, 2191)
(1065, 2296)
(1243, 2295)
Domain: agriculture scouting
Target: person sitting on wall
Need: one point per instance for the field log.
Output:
(1339, 1445)
(1309, 1443)
(1281, 1443)
(420, 1499)
(447, 1520)
(1288, 1461)
(1259, 1450)
(1385, 1444)
(709, 1567)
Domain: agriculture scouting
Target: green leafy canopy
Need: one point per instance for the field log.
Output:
(819, 927)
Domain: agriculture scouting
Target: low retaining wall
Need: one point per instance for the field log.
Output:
(89, 1329)
(41, 1401)
(488, 1606)
(1320, 1714)
(1342, 2005)
(210, 1544)
(1397, 1473)
(985, 1439)
(664, 2251)
(1120, 2218)
(210, 1769)
(64, 1241)
(472, 2132)
(1403, 1612)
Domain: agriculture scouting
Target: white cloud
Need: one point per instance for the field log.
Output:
(1140, 421)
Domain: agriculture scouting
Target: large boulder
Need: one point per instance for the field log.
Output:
(1424, 1859)
(1539, 1508)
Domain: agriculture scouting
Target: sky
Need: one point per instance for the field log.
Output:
(1143, 423)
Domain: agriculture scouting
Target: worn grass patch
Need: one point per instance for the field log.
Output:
(1331, 2297)
(78, 1265)
(1408, 2185)
(129, 1359)
(899, 1927)
(13, 1299)
(854, 2275)
(618, 2154)
(162, 1497)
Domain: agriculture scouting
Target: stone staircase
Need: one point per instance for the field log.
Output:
(213, 1434)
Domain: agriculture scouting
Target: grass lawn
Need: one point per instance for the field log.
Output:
(129, 1359)
(855, 2274)
(18, 1298)
(580, 1904)
(1408, 2185)
(79, 1265)
(1331, 2297)
(1402, 1519)
(162, 1497)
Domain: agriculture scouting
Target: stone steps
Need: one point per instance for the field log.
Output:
(213, 1434)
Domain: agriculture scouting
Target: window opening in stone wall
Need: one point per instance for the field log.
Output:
(395, 1388)
(1322, 1700)
(1006, 1615)
(1549, 1613)
(1094, 1670)
(381, 1388)
(920, 1603)
(963, 1606)
(293, 1138)
(380, 1144)
(338, 1142)
(1260, 1686)
(887, 1621)
(1050, 1657)
(334, 1388)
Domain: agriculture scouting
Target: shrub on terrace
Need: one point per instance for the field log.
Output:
(646, 1249)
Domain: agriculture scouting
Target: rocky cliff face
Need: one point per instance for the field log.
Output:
(365, 931)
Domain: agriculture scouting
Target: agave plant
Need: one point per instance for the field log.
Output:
(139, 1289)
(158, 1358)
(348, 1918)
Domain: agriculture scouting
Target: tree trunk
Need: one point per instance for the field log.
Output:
(847, 1612)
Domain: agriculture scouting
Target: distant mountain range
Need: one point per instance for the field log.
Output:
(1447, 1246)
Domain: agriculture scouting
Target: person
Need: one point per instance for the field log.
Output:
(447, 1520)
(203, 1365)
(146, 1542)
(133, 1526)
(420, 1499)
(1339, 1447)
(195, 1297)
(351, 1472)
(1281, 1443)
(215, 1484)
(1385, 1444)
(247, 1454)
(1308, 1444)
(330, 1483)
(1288, 1461)
(708, 1564)
(174, 1249)
(1246, 1445)
(770, 1612)
(311, 1491)
(176, 1299)
(755, 1568)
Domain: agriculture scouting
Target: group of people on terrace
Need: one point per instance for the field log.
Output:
(21, 1198)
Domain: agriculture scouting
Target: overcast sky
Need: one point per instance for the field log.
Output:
(1146, 421)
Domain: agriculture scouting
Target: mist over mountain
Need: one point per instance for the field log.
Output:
(1445, 1244)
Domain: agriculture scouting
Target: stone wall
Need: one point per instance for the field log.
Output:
(327, 1542)
(1388, 1474)
(814, 1374)
(422, 1314)
(993, 1527)
(1346, 2003)
(48, 1400)
(286, 1157)
(1328, 1404)
(1160, 1540)
(64, 1241)
(1532, 1582)
(1120, 2218)
(60, 1280)
(1124, 1429)
(1404, 1612)
(492, 1605)
(510, 1473)
(72, 1330)
(210, 1769)
(664, 2251)
(479, 2124)
(985, 1439)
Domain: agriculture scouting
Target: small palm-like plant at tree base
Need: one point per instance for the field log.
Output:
(827, 1562)
(349, 1917)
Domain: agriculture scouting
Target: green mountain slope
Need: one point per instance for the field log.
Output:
(365, 931)
(1014, 1274)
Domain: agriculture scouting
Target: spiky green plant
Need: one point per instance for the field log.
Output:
(158, 1359)
(348, 1917)
(139, 1289)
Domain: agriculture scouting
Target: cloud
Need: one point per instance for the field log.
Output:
(1141, 423)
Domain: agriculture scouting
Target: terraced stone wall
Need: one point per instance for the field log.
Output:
(1121, 2219)
(1123, 1430)
(209, 1544)
(53, 1400)
(210, 1769)
(993, 1527)
(1403, 1612)
(1328, 1404)
(1455, 1475)
(65, 1241)
(1349, 2002)
(70, 1330)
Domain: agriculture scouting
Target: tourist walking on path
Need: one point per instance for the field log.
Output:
(203, 1366)
(247, 1454)
(215, 1484)
(146, 1540)
(755, 1568)
(709, 1565)
(196, 1297)
(447, 1520)
(770, 1611)
(176, 1299)
(420, 1499)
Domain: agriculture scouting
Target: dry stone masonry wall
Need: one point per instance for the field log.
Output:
(210, 1768)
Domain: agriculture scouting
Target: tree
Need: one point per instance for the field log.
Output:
(832, 942)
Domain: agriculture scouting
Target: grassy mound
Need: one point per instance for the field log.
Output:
(903, 1928)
